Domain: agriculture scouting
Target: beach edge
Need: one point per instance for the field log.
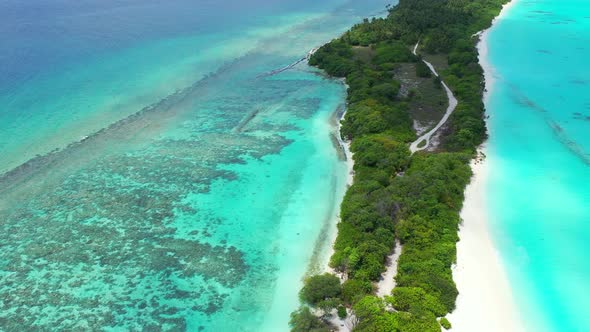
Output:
(485, 301)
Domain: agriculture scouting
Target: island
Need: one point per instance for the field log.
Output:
(414, 80)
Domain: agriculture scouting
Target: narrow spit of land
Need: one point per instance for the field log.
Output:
(397, 194)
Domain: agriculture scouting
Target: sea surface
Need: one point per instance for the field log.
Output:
(156, 172)
(539, 154)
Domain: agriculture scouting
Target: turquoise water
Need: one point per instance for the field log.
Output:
(167, 184)
(539, 152)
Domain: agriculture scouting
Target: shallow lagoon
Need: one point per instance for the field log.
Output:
(539, 152)
(189, 192)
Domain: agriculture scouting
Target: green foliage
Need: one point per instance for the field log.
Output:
(444, 322)
(369, 306)
(372, 316)
(320, 288)
(335, 58)
(327, 305)
(431, 196)
(303, 320)
(371, 117)
(420, 208)
(391, 52)
(426, 322)
(437, 82)
(342, 312)
(380, 151)
(415, 300)
(422, 70)
(353, 290)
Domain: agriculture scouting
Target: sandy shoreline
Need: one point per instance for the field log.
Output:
(345, 145)
(485, 301)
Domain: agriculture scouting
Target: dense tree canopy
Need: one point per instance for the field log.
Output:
(416, 199)
(303, 320)
(319, 288)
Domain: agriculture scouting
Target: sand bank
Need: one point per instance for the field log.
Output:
(485, 301)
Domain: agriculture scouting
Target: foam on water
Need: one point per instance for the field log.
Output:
(539, 152)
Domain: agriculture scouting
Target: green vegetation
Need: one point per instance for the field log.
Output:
(430, 195)
(427, 102)
(342, 312)
(445, 323)
(372, 315)
(415, 199)
(303, 320)
(422, 70)
(320, 288)
(355, 289)
(437, 82)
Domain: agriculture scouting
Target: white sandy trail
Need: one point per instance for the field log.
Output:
(343, 325)
(452, 105)
(387, 283)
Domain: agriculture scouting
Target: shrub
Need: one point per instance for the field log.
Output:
(372, 316)
(303, 320)
(319, 288)
(353, 290)
(342, 312)
(444, 322)
(414, 299)
(422, 70)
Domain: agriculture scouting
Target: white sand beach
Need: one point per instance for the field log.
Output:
(485, 301)
(345, 145)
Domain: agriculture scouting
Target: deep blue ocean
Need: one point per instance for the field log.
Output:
(152, 177)
(539, 154)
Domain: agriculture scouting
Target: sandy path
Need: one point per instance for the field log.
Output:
(415, 146)
(387, 282)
